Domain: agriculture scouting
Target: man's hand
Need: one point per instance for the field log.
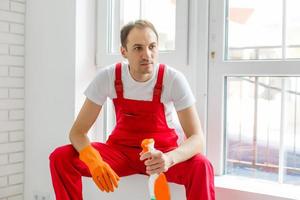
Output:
(156, 162)
(103, 175)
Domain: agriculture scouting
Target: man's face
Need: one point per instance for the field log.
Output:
(141, 51)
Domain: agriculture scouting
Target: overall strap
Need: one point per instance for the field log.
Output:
(158, 86)
(118, 80)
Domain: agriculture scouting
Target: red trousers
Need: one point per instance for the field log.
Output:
(196, 174)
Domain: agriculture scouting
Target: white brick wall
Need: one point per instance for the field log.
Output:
(12, 17)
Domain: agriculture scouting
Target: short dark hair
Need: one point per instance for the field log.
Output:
(135, 24)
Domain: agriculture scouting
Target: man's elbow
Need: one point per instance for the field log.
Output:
(200, 143)
(74, 134)
(71, 136)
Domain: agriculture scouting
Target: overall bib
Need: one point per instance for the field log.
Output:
(135, 121)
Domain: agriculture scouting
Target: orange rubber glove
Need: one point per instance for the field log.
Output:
(103, 175)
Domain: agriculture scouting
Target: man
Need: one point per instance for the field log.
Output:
(143, 93)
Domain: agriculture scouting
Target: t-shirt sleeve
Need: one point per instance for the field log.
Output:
(97, 90)
(181, 93)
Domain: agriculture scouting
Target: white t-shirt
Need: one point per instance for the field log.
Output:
(176, 91)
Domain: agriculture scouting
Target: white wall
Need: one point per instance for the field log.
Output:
(49, 86)
(85, 47)
(11, 99)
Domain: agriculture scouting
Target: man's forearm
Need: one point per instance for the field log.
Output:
(85, 119)
(189, 148)
(79, 140)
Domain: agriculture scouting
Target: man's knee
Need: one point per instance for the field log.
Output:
(62, 153)
(201, 163)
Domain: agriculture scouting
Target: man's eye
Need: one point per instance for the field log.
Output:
(137, 48)
(152, 47)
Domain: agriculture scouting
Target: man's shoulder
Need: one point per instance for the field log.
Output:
(171, 72)
(104, 73)
(110, 67)
(106, 70)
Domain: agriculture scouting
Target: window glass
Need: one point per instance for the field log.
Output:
(293, 29)
(162, 13)
(263, 128)
(254, 29)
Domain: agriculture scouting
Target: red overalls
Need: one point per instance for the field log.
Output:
(136, 120)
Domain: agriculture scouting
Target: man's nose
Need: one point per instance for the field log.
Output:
(146, 53)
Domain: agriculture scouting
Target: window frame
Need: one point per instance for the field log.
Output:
(219, 68)
(104, 18)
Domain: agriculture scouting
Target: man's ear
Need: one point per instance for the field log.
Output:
(123, 51)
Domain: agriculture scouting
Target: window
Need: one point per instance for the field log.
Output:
(253, 90)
